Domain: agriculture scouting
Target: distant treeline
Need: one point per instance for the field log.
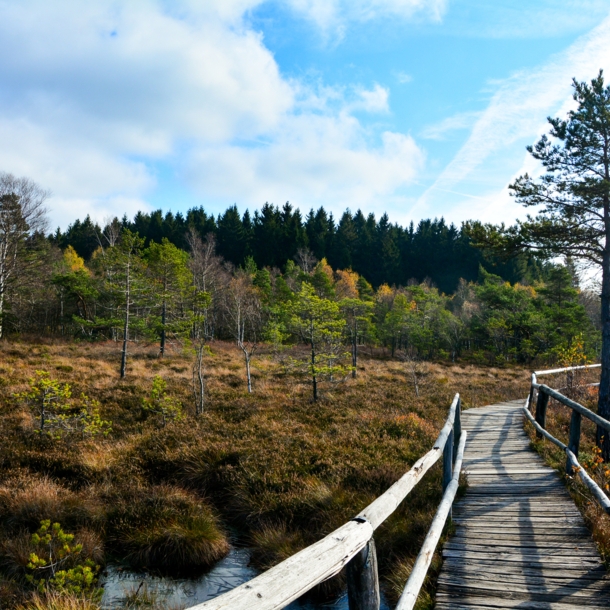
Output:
(382, 252)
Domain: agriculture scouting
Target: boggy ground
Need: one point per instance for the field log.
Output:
(271, 470)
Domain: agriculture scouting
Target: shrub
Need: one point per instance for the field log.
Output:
(58, 413)
(56, 564)
(159, 403)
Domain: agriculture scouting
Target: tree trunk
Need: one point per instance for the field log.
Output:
(603, 408)
(199, 391)
(163, 320)
(248, 376)
(125, 326)
(313, 370)
(1, 310)
(43, 413)
(354, 350)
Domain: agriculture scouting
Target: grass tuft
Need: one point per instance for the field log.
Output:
(166, 527)
(57, 601)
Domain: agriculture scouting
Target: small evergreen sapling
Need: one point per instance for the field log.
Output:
(159, 403)
(59, 414)
(55, 563)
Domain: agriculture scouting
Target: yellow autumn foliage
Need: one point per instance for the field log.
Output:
(73, 261)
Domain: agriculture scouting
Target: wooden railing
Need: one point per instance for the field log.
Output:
(352, 545)
(541, 394)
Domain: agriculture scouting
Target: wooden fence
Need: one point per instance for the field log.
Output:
(540, 394)
(352, 545)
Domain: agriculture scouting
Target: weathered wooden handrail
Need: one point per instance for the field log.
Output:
(352, 545)
(578, 411)
(422, 563)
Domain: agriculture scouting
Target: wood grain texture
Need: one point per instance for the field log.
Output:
(519, 541)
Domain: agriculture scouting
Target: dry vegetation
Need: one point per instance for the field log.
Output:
(271, 470)
(558, 424)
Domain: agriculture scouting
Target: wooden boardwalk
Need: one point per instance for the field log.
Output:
(520, 541)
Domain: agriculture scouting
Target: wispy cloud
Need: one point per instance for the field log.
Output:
(403, 78)
(533, 19)
(518, 108)
(335, 15)
(439, 131)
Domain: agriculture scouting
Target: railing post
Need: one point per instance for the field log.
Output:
(541, 404)
(574, 442)
(363, 579)
(448, 465)
(457, 427)
(448, 461)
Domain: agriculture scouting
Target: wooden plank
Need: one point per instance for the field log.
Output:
(575, 596)
(518, 508)
(543, 581)
(474, 567)
(506, 519)
(524, 533)
(521, 557)
(457, 601)
(478, 471)
(490, 604)
(557, 550)
(493, 571)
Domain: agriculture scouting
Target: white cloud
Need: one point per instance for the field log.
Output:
(92, 93)
(371, 100)
(96, 99)
(336, 14)
(313, 159)
(403, 78)
(517, 112)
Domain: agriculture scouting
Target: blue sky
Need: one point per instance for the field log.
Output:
(420, 108)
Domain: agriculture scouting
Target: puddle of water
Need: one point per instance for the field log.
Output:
(227, 574)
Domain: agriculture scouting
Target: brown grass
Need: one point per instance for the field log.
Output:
(276, 468)
(56, 601)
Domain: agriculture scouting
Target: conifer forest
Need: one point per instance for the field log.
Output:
(425, 289)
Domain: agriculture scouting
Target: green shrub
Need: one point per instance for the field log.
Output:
(159, 403)
(58, 413)
(55, 563)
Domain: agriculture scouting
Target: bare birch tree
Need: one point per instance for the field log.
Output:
(243, 307)
(22, 214)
